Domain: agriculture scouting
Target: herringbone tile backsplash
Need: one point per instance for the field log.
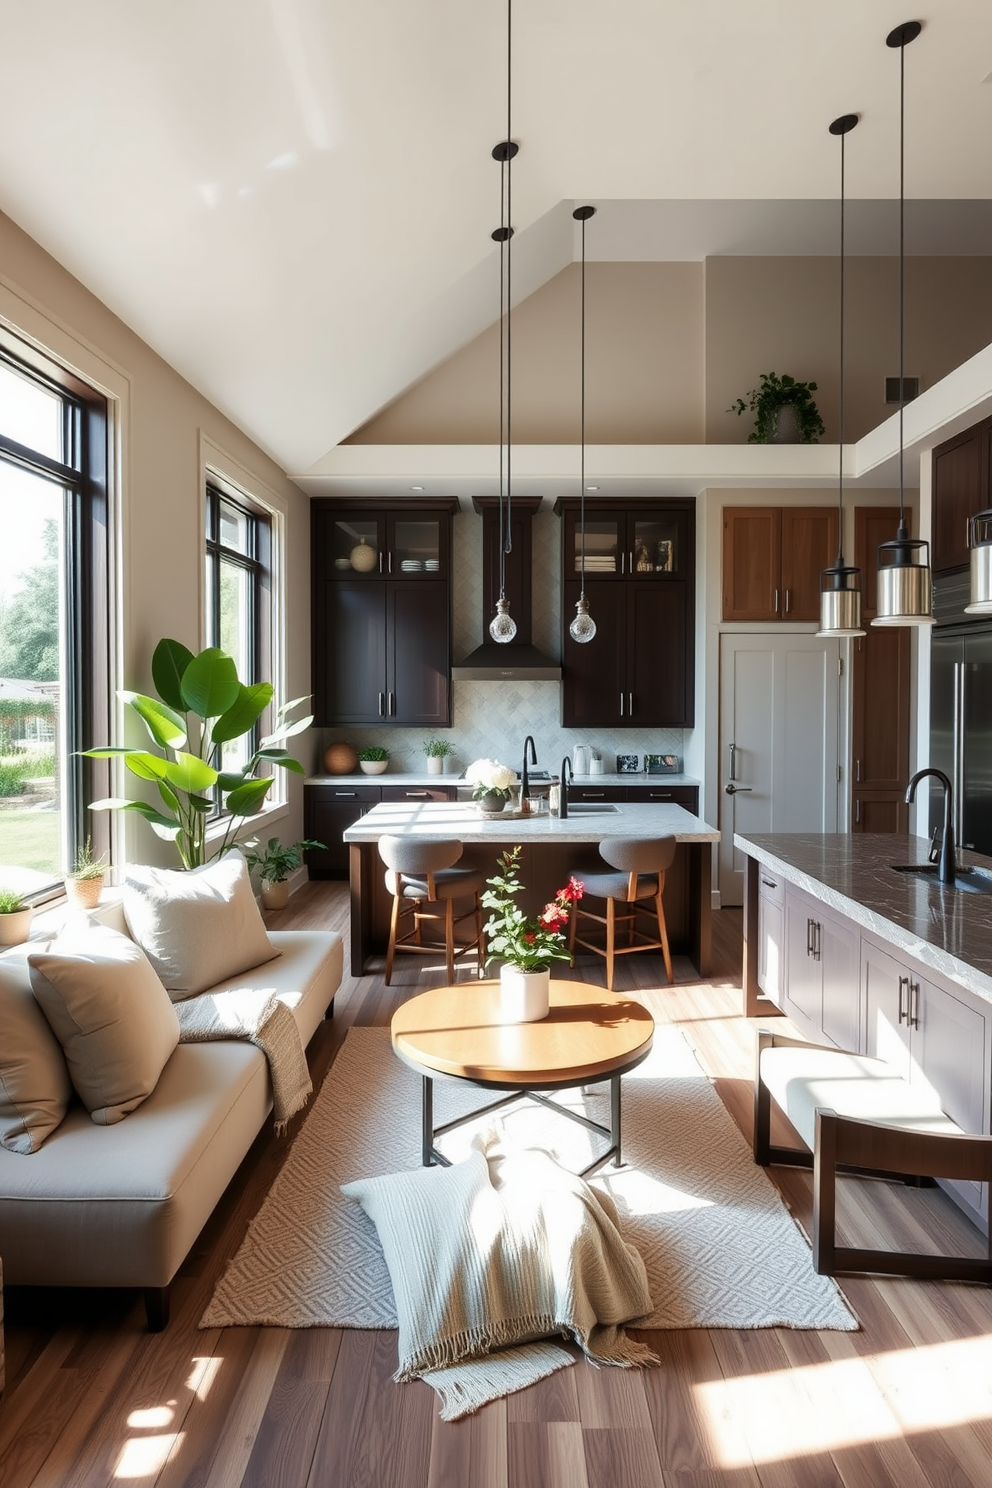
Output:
(491, 719)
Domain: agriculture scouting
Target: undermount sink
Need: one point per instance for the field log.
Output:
(967, 880)
(590, 808)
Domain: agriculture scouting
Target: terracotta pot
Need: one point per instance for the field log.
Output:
(15, 928)
(340, 759)
(275, 895)
(524, 996)
(84, 893)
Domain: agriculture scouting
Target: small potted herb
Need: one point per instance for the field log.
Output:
(437, 751)
(15, 918)
(275, 862)
(85, 879)
(373, 759)
(784, 411)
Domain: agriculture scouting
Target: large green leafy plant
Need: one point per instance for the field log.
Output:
(201, 706)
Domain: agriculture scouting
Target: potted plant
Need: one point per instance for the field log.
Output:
(493, 783)
(525, 947)
(784, 411)
(15, 918)
(373, 759)
(275, 863)
(84, 881)
(437, 751)
(201, 706)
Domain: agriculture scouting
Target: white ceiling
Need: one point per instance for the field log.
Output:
(291, 200)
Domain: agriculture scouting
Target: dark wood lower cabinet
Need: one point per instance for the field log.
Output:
(879, 811)
(329, 810)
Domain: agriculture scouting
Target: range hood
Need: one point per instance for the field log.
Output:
(518, 660)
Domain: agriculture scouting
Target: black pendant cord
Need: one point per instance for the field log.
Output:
(507, 545)
(582, 414)
(840, 418)
(902, 279)
(502, 367)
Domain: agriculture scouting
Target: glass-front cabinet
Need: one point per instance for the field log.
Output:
(384, 545)
(626, 544)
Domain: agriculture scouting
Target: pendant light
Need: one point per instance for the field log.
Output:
(502, 627)
(840, 586)
(583, 627)
(980, 543)
(904, 583)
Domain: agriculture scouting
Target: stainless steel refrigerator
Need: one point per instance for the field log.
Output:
(961, 732)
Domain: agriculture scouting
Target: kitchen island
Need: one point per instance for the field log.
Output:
(551, 849)
(861, 954)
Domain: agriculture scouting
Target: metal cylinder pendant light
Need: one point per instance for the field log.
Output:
(840, 586)
(905, 591)
(980, 544)
(502, 627)
(583, 627)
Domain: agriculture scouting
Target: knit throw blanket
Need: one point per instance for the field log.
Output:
(258, 1016)
(500, 1249)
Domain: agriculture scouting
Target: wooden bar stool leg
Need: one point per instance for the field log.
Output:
(611, 928)
(663, 930)
(449, 938)
(572, 925)
(480, 935)
(391, 948)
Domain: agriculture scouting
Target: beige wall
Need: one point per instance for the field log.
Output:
(165, 428)
(783, 315)
(644, 367)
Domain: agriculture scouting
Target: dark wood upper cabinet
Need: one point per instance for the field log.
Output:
(382, 612)
(962, 486)
(873, 525)
(772, 558)
(639, 670)
(880, 694)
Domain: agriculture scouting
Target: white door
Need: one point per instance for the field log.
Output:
(779, 712)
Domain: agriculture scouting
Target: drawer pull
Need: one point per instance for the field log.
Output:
(351, 794)
(769, 883)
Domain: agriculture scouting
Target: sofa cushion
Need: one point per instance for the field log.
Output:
(197, 928)
(110, 1013)
(35, 1089)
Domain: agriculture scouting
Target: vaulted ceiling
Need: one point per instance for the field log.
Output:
(292, 200)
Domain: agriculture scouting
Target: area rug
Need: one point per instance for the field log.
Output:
(721, 1249)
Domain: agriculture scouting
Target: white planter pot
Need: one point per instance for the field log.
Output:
(275, 895)
(524, 995)
(435, 764)
(15, 928)
(373, 767)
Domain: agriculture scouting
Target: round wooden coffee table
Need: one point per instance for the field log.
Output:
(455, 1033)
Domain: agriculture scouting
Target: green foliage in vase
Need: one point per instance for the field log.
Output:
(276, 862)
(373, 752)
(771, 394)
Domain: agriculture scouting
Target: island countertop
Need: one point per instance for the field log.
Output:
(944, 929)
(462, 819)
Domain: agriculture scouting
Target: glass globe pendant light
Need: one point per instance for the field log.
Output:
(840, 586)
(583, 627)
(905, 591)
(502, 627)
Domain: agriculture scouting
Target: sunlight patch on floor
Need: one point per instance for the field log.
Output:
(205, 1371)
(145, 1456)
(808, 1410)
(158, 1415)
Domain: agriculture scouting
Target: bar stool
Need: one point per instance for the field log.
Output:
(642, 863)
(424, 884)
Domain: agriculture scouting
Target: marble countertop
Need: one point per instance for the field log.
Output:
(461, 819)
(944, 929)
(397, 777)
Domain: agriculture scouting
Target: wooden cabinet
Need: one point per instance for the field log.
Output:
(381, 614)
(772, 558)
(880, 715)
(930, 1035)
(329, 810)
(822, 953)
(962, 486)
(679, 795)
(639, 671)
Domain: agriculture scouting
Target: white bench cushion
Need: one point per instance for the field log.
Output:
(803, 1080)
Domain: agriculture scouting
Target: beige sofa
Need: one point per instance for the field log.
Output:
(121, 1205)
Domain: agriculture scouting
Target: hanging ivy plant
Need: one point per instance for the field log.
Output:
(772, 394)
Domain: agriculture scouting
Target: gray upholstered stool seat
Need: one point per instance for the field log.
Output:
(425, 885)
(638, 881)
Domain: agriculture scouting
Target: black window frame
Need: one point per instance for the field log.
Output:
(86, 688)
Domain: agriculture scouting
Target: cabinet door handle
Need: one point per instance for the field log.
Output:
(389, 563)
(788, 600)
(630, 564)
(350, 794)
(592, 795)
(380, 560)
(904, 1007)
(776, 601)
(623, 563)
(413, 795)
(913, 1018)
(382, 704)
(621, 705)
(630, 705)
(816, 942)
(392, 703)
(659, 795)
(857, 771)
(809, 936)
(857, 811)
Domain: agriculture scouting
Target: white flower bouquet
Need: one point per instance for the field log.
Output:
(490, 778)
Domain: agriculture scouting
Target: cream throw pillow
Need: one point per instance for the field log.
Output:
(35, 1089)
(110, 1013)
(197, 928)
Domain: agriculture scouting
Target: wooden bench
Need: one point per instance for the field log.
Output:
(859, 1115)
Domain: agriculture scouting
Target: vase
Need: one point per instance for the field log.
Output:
(373, 767)
(275, 895)
(785, 426)
(492, 802)
(84, 893)
(524, 996)
(435, 764)
(15, 927)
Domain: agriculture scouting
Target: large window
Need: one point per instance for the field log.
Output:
(54, 607)
(239, 559)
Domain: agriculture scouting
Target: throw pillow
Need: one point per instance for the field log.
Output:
(197, 928)
(493, 1252)
(110, 1013)
(34, 1082)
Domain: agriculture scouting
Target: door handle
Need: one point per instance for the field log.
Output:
(630, 705)
(621, 705)
(382, 704)
(913, 1009)
(392, 703)
(776, 601)
(788, 600)
(733, 789)
(733, 761)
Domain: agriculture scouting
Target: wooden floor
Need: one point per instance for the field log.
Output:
(92, 1399)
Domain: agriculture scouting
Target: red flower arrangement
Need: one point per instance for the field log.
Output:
(528, 944)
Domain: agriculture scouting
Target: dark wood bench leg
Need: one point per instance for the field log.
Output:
(760, 1136)
(157, 1308)
(824, 1193)
(329, 1010)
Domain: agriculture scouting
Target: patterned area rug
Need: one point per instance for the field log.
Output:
(721, 1249)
